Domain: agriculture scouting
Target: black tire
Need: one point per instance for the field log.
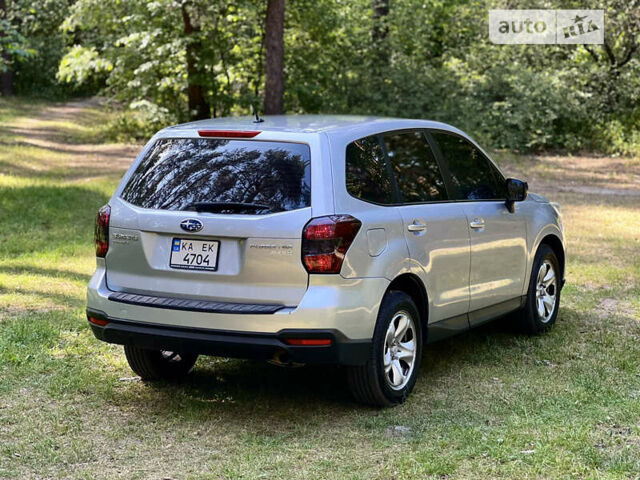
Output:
(529, 319)
(369, 383)
(159, 364)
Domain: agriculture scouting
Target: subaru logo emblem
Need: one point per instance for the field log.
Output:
(191, 225)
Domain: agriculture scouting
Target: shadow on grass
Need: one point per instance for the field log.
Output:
(13, 107)
(45, 218)
(79, 149)
(71, 170)
(54, 300)
(73, 122)
(241, 391)
(45, 272)
(112, 172)
(61, 134)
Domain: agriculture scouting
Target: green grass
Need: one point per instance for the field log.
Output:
(488, 404)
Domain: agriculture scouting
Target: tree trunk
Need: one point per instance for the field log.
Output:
(199, 108)
(7, 76)
(274, 65)
(7, 82)
(379, 36)
(380, 28)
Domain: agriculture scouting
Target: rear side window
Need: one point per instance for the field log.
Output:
(472, 174)
(266, 177)
(368, 176)
(415, 167)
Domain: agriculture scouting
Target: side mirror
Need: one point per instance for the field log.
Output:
(516, 192)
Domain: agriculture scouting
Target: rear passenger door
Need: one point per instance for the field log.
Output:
(498, 237)
(435, 229)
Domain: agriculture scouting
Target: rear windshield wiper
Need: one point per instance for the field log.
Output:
(229, 207)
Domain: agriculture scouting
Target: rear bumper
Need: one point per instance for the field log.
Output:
(234, 344)
(330, 303)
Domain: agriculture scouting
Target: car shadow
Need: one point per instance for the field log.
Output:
(238, 389)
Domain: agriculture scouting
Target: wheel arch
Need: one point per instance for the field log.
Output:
(411, 284)
(557, 246)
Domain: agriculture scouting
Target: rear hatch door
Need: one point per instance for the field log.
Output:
(213, 219)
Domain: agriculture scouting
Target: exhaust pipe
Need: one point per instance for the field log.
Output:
(281, 359)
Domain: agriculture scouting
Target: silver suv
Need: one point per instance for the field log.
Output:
(318, 239)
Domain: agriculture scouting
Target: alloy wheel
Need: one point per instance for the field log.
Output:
(546, 290)
(400, 350)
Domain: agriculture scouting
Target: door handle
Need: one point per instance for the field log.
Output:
(477, 223)
(416, 227)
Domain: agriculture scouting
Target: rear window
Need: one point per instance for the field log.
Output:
(249, 176)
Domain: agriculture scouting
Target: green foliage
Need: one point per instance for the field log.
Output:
(138, 123)
(141, 46)
(37, 22)
(428, 60)
(441, 65)
(82, 64)
(13, 45)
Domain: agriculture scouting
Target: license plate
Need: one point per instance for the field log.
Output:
(194, 254)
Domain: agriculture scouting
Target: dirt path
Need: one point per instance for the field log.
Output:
(63, 140)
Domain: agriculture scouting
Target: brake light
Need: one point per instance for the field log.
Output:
(308, 342)
(101, 232)
(325, 241)
(228, 133)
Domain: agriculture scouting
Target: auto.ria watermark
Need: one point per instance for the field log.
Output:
(546, 26)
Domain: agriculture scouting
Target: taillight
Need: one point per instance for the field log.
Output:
(325, 241)
(101, 232)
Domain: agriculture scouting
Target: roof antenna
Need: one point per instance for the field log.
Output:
(255, 114)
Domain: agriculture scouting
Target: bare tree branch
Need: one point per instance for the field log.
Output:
(592, 52)
(609, 52)
(629, 53)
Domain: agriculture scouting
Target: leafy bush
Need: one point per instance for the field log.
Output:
(138, 123)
